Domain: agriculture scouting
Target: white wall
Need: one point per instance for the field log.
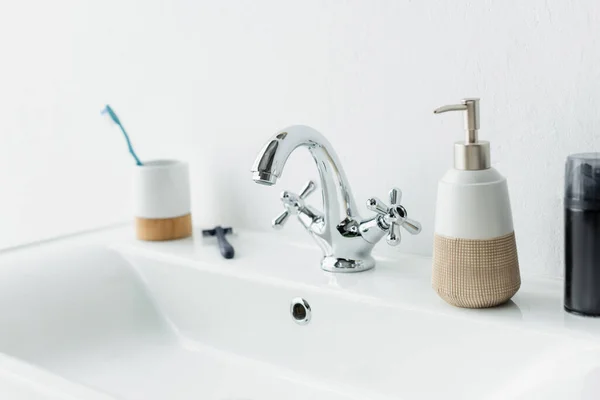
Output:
(210, 81)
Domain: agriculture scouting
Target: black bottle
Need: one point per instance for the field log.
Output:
(582, 234)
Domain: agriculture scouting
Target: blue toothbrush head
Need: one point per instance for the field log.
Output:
(108, 110)
(113, 116)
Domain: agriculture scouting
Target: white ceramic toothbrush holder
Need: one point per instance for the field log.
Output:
(161, 193)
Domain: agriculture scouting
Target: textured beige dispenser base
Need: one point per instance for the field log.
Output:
(476, 273)
(163, 228)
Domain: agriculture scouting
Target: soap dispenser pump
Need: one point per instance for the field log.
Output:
(475, 263)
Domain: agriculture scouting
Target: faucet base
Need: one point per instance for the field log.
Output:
(334, 264)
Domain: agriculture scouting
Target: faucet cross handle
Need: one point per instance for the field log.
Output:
(293, 203)
(393, 217)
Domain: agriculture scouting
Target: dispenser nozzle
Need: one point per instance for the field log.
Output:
(471, 106)
(472, 154)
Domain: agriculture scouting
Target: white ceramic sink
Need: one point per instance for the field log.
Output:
(103, 317)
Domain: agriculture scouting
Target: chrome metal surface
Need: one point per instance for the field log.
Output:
(345, 238)
(472, 154)
(393, 217)
(294, 204)
(264, 178)
(300, 310)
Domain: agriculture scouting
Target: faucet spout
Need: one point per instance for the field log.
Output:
(340, 232)
(337, 197)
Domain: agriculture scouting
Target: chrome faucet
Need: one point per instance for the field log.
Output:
(345, 238)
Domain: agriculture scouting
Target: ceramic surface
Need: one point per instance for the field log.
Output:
(100, 316)
(161, 189)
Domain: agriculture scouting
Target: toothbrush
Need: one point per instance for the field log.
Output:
(108, 110)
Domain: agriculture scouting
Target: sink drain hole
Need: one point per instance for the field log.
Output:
(300, 310)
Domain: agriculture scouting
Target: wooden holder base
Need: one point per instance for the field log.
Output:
(164, 228)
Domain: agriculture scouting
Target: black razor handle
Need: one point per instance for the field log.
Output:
(225, 247)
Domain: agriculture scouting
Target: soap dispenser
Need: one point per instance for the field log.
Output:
(475, 263)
